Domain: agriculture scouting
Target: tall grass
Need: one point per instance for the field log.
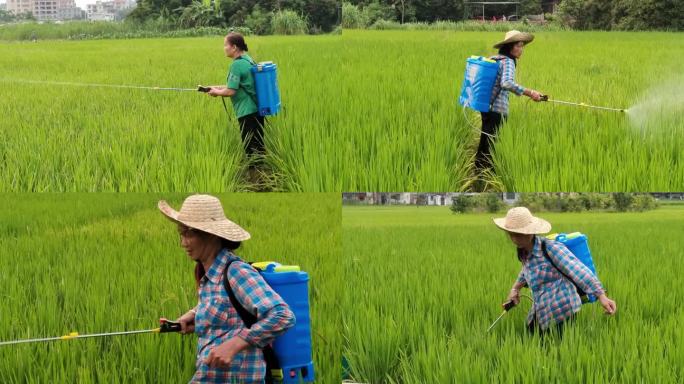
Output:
(426, 284)
(95, 263)
(85, 30)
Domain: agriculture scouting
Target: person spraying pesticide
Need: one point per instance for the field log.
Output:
(560, 282)
(241, 89)
(486, 86)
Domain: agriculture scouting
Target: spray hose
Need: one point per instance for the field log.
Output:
(507, 307)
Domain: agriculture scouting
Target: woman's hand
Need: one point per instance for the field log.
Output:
(222, 356)
(187, 322)
(608, 304)
(513, 296)
(216, 91)
(534, 95)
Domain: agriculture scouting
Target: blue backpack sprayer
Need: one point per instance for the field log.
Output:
(578, 244)
(289, 360)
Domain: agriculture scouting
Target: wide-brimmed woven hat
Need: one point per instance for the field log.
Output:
(204, 212)
(514, 37)
(520, 220)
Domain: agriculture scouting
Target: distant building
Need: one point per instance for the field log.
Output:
(71, 13)
(106, 10)
(46, 10)
(3, 7)
(669, 196)
(20, 6)
(510, 198)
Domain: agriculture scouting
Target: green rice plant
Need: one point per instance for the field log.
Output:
(95, 263)
(427, 284)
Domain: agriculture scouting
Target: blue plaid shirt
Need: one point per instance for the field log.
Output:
(505, 82)
(555, 297)
(217, 320)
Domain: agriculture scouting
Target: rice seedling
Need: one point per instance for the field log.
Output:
(428, 283)
(405, 131)
(95, 263)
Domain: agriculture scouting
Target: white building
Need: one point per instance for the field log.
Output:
(19, 6)
(106, 10)
(46, 10)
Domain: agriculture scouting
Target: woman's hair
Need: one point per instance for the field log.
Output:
(225, 244)
(522, 254)
(237, 40)
(506, 51)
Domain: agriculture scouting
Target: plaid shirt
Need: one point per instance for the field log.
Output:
(555, 297)
(505, 82)
(217, 320)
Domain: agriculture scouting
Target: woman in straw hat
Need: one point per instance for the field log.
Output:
(227, 351)
(551, 275)
(510, 50)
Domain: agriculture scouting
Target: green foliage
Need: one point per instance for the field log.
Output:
(578, 202)
(623, 14)
(289, 23)
(259, 21)
(320, 16)
(9, 17)
(493, 202)
(377, 10)
(200, 14)
(622, 201)
(462, 204)
(91, 30)
(643, 202)
(352, 16)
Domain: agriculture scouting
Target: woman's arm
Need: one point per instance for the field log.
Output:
(580, 274)
(574, 269)
(274, 316)
(508, 81)
(514, 294)
(221, 91)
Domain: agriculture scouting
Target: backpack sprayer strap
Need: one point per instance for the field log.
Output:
(273, 370)
(498, 76)
(545, 252)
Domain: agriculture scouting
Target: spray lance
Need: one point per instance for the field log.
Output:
(200, 88)
(165, 326)
(547, 98)
(507, 307)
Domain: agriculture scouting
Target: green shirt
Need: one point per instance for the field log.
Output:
(241, 80)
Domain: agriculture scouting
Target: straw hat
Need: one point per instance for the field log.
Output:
(205, 213)
(514, 37)
(520, 220)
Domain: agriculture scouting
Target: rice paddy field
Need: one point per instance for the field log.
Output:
(405, 131)
(60, 137)
(92, 263)
(427, 284)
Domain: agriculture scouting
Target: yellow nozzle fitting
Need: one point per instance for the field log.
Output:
(72, 335)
